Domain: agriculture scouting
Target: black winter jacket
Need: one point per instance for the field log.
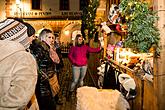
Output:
(46, 67)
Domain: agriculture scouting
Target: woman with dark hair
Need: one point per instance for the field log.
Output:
(78, 57)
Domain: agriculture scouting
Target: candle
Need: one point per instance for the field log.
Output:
(117, 54)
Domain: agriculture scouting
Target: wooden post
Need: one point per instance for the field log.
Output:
(105, 44)
(159, 71)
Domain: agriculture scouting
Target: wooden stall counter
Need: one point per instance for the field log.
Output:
(146, 96)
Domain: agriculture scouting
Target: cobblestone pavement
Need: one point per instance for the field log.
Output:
(65, 80)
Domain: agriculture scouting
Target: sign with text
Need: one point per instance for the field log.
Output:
(31, 13)
(46, 14)
(66, 13)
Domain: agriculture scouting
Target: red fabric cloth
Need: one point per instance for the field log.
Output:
(118, 28)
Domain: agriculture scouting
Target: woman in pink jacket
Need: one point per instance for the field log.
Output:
(78, 57)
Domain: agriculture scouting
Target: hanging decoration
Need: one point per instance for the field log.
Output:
(105, 27)
(114, 14)
(115, 21)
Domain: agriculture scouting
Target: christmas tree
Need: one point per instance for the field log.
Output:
(88, 18)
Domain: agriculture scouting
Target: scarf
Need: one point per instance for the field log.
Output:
(54, 56)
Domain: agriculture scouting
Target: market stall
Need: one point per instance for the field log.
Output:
(131, 45)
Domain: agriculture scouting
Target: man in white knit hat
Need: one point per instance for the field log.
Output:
(18, 68)
(13, 30)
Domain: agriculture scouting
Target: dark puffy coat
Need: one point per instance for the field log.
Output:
(46, 69)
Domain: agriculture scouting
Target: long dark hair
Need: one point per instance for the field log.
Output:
(76, 40)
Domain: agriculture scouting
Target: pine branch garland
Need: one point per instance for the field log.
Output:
(142, 33)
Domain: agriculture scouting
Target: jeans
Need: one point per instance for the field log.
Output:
(78, 74)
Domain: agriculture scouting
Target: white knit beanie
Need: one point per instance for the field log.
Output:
(11, 29)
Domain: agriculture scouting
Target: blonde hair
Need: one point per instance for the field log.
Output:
(43, 34)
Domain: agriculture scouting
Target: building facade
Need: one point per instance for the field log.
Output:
(45, 13)
(2, 10)
(39, 9)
